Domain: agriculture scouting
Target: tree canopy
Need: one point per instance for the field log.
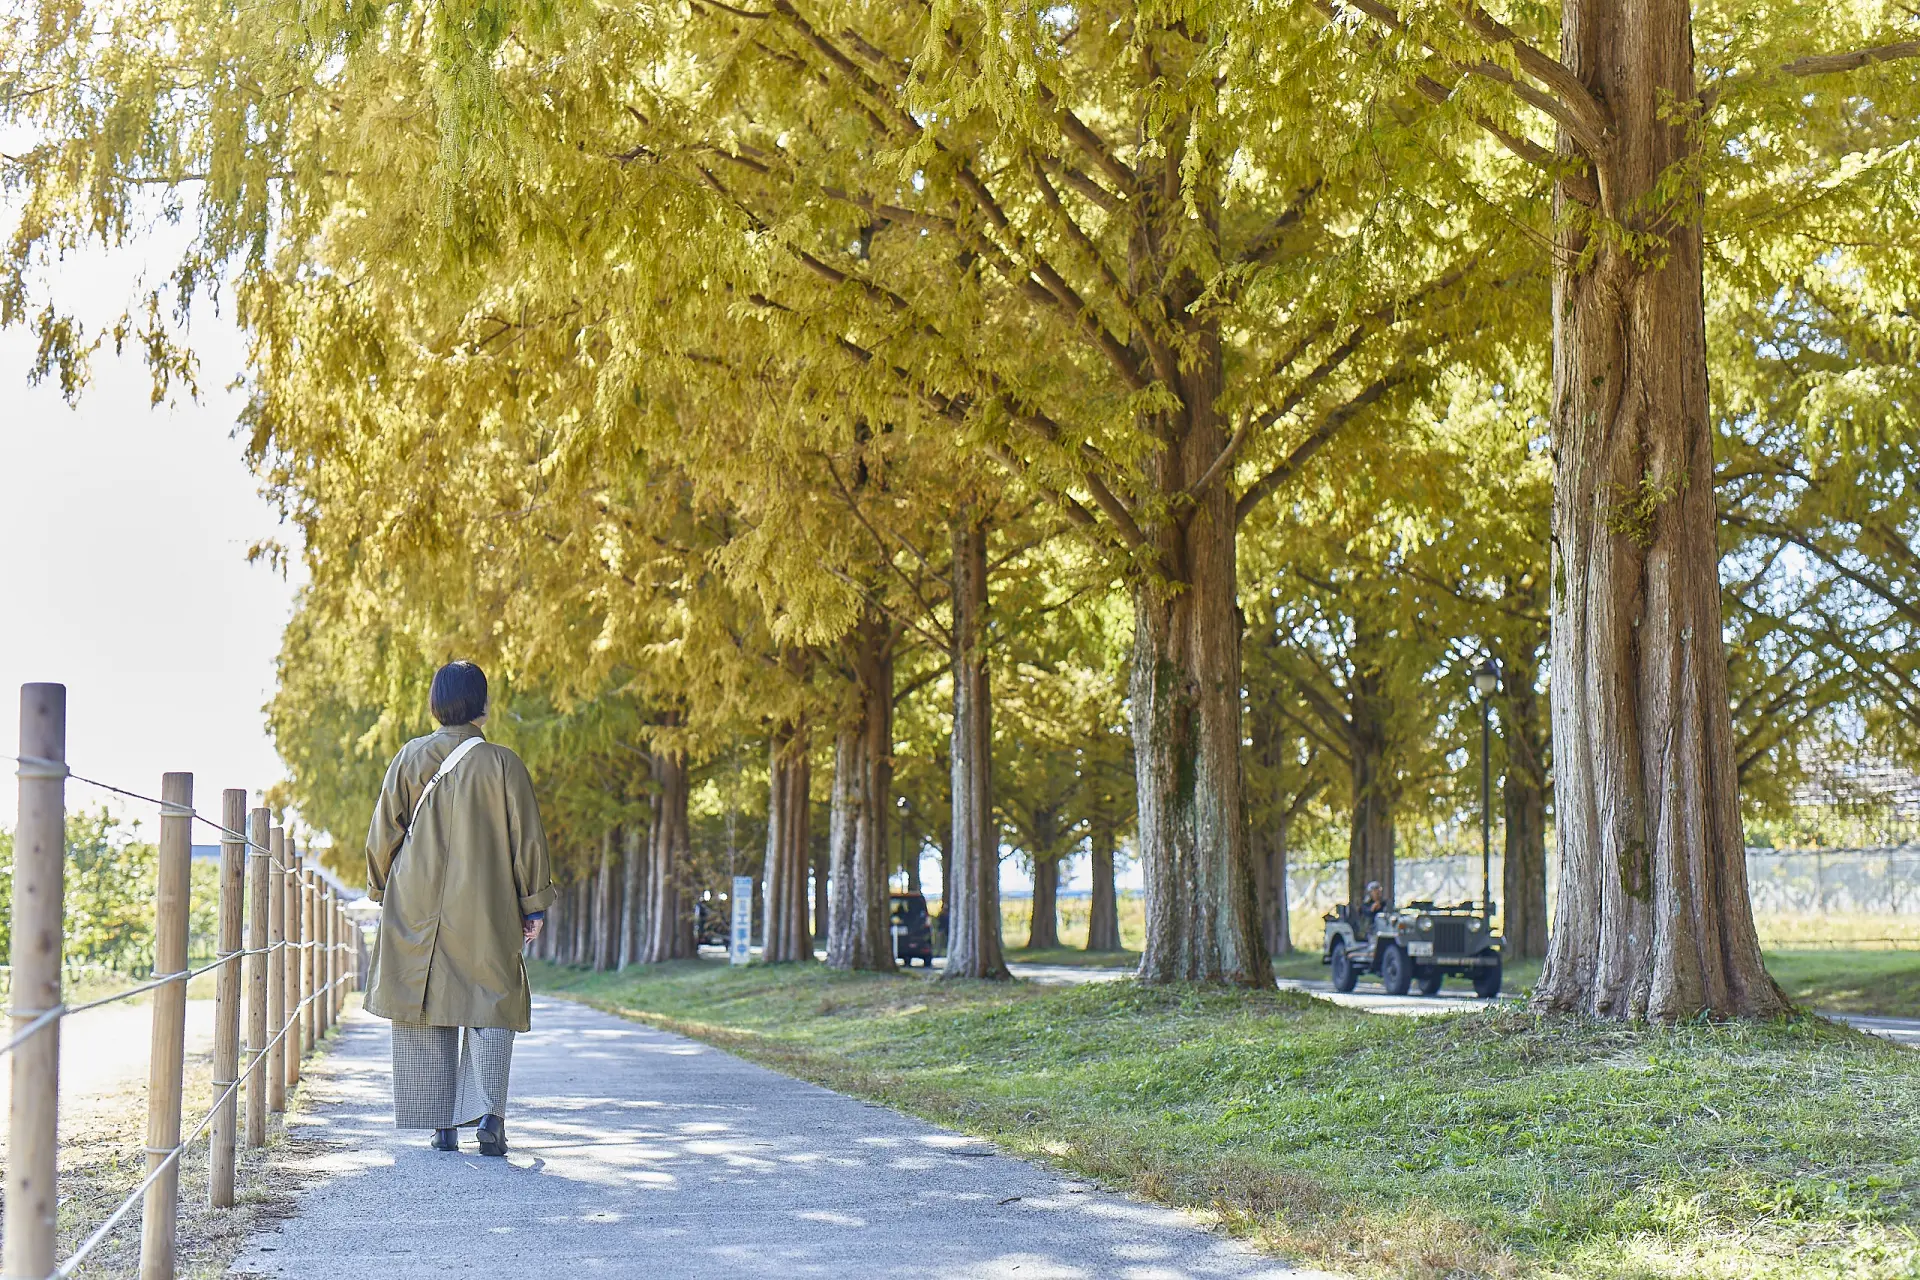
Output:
(1224, 380)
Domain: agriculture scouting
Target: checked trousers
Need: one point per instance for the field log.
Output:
(449, 1077)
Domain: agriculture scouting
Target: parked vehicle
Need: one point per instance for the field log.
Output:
(912, 929)
(1420, 944)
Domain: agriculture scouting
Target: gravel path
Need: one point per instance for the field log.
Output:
(104, 1051)
(639, 1153)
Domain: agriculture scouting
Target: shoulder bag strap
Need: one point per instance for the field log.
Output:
(454, 757)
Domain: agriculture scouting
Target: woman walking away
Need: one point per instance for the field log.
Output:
(457, 861)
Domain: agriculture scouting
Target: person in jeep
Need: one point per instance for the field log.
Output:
(1372, 903)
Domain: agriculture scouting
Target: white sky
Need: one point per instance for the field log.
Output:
(124, 531)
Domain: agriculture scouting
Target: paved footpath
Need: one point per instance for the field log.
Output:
(639, 1153)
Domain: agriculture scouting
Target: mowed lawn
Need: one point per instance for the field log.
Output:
(1494, 1143)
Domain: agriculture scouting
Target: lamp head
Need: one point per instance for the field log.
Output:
(1486, 677)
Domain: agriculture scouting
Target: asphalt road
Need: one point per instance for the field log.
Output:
(638, 1153)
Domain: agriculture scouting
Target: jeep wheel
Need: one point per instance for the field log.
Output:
(1486, 982)
(1342, 965)
(1430, 981)
(1396, 971)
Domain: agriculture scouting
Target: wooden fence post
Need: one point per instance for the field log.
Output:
(39, 887)
(295, 937)
(168, 1059)
(277, 970)
(322, 954)
(258, 943)
(226, 999)
(333, 955)
(337, 970)
(343, 963)
(309, 953)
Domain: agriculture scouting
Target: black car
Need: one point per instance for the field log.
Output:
(712, 925)
(912, 929)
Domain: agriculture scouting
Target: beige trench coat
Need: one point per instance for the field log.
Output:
(453, 889)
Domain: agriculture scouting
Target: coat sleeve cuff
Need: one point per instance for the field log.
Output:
(376, 895)
(538, 901)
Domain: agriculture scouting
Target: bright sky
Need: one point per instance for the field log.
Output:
(124, 531)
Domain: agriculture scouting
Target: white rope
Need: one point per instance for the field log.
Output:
(39, 767)
(46, 1016)
(172, 1154)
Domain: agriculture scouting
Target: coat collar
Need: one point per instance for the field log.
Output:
(460, 732)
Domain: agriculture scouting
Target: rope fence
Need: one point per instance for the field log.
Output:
(287, 957)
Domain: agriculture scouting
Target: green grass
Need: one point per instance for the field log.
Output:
(1492, 1144)
(1851, 981)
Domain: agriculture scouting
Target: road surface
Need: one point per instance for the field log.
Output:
(638, 1153)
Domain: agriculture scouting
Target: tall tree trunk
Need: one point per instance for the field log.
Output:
(582, 919)
(1523, 796)
(633, 890)
(606, 931)
(670, 909)
(555, 929)
(859, 930)
(1653, 918)
(822, 894)
(973, 885)
(1275, 921)
(1202, 922)
(1043, 928)
(786, 937)
(1103, 916)
(1370, 836)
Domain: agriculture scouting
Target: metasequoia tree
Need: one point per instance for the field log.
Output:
(1097, 248)
(1143, 258)
(786, 934)
(1820, 478)
(1479, 559)
(1139, 256)
(1653, 917)
(1346, 643)
(1287, 773)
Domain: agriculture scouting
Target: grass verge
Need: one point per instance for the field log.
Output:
(1851, 981)
(1489, 1144)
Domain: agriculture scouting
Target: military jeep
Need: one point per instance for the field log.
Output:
(1420, 943)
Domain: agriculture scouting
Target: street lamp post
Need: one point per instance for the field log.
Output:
(1486, 679)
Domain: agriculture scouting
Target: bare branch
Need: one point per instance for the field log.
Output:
(1330, 426)
(1576, 110)
(1817, 64)
(1826, 64)
(1579, 185)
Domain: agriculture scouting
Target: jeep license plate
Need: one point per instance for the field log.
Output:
(1419, 948)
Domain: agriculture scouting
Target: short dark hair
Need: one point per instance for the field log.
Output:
(459, 694)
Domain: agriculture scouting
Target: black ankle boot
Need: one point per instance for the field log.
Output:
(493, 1136)
(446, 1139)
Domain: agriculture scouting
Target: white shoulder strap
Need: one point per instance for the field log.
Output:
(454, 757)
